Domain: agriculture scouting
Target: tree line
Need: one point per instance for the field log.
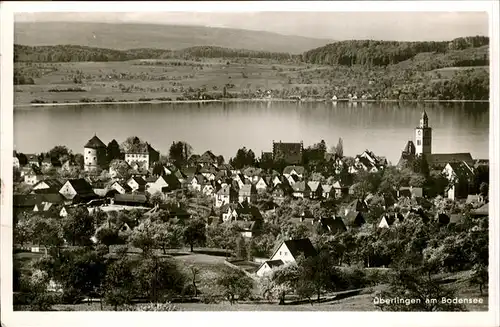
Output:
(383, 53)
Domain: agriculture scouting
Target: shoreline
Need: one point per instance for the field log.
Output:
(239, 100)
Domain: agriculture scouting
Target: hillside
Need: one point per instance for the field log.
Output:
(173, 37)
(459, 52)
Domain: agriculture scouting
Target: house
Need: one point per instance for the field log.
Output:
(240, 212)
(328, 191)
(197, 182)
(261, 184)
(209, 172)
(332, 225)
(294, 170)
(33, 159)
(340, 189)
(289, 251)
(276, 180)
(140, 155)
(356, 206)
(247, 193)
(389, 219)
(268, 266)
(289, 153)
(210, 188)
(408, 156)
(208, 158)
(240, 179)
(316, 190)
(354, 219)
(301, 190)
(77, 190)
(252, 174)
(120, 187)
(137, 183)
(292, 179)
(33, 175)
(227, 194)
(130, 199)
(49, 185)
(280, 192)
(459, 175)
(249, 229)
(42, 207)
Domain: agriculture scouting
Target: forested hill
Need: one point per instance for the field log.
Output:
(124, 36)
(72, 53)
(383, 53)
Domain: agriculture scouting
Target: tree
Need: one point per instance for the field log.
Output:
(284, 280)
(119, 283)
(46, 232)
(235, 284)
(157, 278)
(244, 158)
(194, 233)
(78, 227)
(483, 189)
(113, 151)
(121, 168)
(81, 273)
(143, 236)
(241, 248)
(361, 189)
(411, 284)
(167, 235)
(107, 236)
(60, 153)
(180, 152)
(317, 272)
(479, 276)
(157, 198)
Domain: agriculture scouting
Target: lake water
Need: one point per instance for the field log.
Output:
(223, 128)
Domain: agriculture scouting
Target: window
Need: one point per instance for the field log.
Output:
(418, 142)
(286, 253)
(280, 252)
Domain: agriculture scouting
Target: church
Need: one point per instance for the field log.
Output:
(423, 147)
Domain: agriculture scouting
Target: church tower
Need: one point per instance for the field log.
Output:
(423, 136)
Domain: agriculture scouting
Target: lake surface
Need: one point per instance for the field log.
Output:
(223, 128)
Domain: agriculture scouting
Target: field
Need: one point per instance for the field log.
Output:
(133, 80)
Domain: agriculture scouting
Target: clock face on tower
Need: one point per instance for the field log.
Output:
(419, 132)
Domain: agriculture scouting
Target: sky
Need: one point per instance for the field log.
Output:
(408, 26)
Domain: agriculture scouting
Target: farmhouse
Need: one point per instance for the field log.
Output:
(289, 251)
(77, 190)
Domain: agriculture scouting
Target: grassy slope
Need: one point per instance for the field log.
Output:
(128, 36)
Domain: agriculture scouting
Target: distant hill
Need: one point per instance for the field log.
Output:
(168, 37)
(464, 51)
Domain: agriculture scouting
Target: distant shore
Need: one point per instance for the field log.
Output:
(235, 100)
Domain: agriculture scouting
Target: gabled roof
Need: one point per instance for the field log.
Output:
(313, 186)
(441, 159)
(461, 169)
(410, 148)
(81, 186)
(95, 143)
(139, 180)
(208, 157)
(298, 169)
(52, 183)
(354, 218)
(358, 205)
(300, 247)
(333, 225)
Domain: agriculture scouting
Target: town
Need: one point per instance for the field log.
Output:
(299, 223)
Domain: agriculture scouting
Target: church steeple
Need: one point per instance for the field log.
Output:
(424, 120)
(423, 136)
